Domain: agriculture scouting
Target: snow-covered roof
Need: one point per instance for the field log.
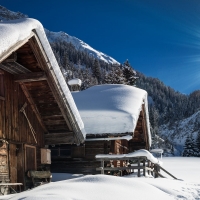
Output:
(111, 109)
(75, 81)
(139, 153)
(15, 32)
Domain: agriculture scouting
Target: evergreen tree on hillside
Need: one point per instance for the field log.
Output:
(96, 70)
(129, 73)
(154, 119)
(198, 144)
(189, 147)
(115, 76)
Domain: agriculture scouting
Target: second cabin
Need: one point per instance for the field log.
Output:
(116, 121)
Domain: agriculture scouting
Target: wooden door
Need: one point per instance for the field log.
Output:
(30, 158)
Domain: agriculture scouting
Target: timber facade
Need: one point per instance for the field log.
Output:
(33, 112)
(81, 159)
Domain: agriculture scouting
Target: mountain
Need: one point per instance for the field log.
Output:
(173, 115)
(79, 45)
(179, 131)
(6, 14)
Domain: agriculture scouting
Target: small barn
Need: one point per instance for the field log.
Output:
(36, 106)
(116, 121)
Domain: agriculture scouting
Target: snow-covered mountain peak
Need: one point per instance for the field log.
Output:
(79, 45)
(6, 14)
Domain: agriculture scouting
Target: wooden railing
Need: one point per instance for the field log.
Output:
(140, 163)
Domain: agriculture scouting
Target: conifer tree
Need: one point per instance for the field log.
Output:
(189, 147)
(129, 73)
(96, 70)
(198, 144)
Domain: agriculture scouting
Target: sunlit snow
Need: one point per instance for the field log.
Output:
(101, 187)
(111, 109)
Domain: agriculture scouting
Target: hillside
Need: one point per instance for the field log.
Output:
(178, 132)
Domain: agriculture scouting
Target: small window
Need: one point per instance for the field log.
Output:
(2, 92)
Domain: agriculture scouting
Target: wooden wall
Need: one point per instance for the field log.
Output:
(13, 124)
(82, 159)
(14, 127)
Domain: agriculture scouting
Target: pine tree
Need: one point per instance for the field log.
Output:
(198, 144)
(189, 147)
(129, 73)
(96, 70)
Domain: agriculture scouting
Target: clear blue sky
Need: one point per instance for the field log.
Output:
(161, 38)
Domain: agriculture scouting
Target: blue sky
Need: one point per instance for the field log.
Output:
(161, 38)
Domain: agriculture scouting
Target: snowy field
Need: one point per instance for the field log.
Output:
(102, 187)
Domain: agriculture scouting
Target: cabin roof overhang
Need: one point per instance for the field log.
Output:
(31, 67)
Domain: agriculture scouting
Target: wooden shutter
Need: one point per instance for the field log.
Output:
(30, 158)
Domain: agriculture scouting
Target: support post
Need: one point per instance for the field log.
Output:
(138, 167)
(152, 168)
(102, 166)
(144, 167)
(149, 164)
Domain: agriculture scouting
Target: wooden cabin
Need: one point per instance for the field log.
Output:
(36, 106)
(74, 84)
(116, 122)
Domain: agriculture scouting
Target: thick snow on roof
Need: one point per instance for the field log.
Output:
(112, 108)
(139, 153)
(13, 32)
(75, 81)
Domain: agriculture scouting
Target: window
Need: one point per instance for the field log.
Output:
(2, 92)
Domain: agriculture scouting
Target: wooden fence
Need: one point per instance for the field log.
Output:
(141, 164)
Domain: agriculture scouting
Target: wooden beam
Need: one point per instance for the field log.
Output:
(30, 77)
(59, 138)
(33, 106)
(146, 137)
(36, 47)
(36, 51)
(58, 93)
(11, 58)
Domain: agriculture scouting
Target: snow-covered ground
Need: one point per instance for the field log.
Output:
(101, 187)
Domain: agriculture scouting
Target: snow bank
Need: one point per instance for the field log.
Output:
(139, 153)
(111, 109)
(98, 187)
(101, 187)
(13, 32)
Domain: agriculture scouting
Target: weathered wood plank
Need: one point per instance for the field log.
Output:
(59, 138)
(31, 102)
(30, 77)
